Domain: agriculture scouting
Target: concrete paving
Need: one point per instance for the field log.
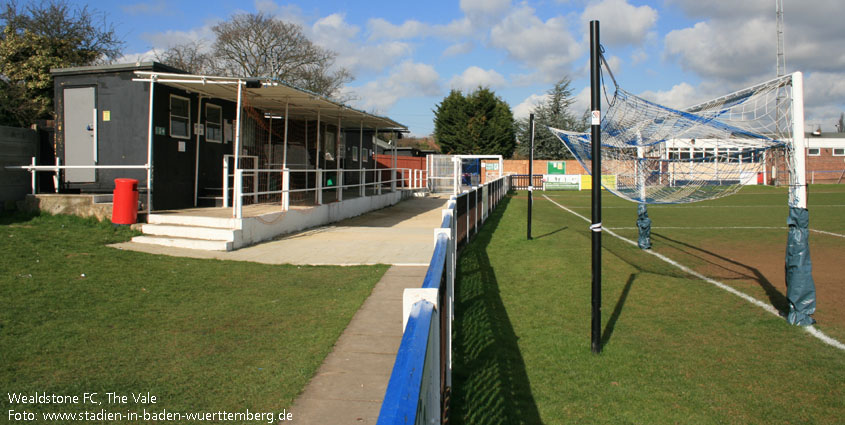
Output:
(399, 235)
(350, 384)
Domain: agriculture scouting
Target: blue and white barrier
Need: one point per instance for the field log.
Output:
(421, 380)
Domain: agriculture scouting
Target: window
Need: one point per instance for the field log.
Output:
(355, 153)
(838, 151)
(180, 117)
(685, 153)
(813, 151)
(213, 123)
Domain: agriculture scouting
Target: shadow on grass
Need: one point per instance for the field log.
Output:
(617, 310)
(776, 298)
(14, 217)
(490, 382)
(551, 233)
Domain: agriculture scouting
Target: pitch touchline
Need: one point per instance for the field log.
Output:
(727, 228)
(810, 329)
(675, 206)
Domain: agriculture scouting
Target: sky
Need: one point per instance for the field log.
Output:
(406, 56)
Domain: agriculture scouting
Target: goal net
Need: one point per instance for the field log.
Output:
(662, 155)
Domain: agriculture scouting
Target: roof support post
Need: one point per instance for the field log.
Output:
(197, 161)
(286, 174)
(319, 195)
(150, 132)
(237, 204)
(339, 176)
(361, 176)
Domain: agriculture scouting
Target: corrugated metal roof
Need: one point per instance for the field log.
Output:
(272, 97)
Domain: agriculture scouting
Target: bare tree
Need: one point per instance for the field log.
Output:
(192, 56)
(259, 45)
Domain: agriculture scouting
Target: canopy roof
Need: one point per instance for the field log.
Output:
(272, 97)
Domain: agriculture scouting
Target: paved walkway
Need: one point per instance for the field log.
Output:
(350, 384)
(399, 235)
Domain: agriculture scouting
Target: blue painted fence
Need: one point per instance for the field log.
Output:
(422, 372)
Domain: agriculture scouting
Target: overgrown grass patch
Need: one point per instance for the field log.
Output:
(77, 316)
(676, 349)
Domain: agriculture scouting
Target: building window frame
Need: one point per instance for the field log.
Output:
(180, 120)
(838, 151)
(814, 151)
(213, 129)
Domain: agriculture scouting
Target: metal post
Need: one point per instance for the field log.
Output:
(319, 186)
(595, 227)
(225, 181)
(238, 175)
(32, 174)
(56, 176)
(339, 172)
(286, 173)
(530, 171)
(361, 177)
(150, 132)
(197, 156)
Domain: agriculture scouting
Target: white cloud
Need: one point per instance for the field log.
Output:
(679, 96)
(480, 11)
(458, 49)
(737, 40)
(333, 32)
(164, 40)
(621, 23)
(408, 79)
(723, 51)
(382, 29)
(547, 46)
(638, 56)
(288, 13)
(528, 105)
(147, 56)
(473, 77)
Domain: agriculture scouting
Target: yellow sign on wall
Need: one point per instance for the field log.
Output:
(608, 180)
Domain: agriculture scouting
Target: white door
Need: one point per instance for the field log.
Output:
(80, 122)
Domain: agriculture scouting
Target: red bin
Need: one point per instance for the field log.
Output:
(125, 201)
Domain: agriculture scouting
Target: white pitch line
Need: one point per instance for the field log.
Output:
(827, 233)
(707, 228)
(810, 329)
(725, 228)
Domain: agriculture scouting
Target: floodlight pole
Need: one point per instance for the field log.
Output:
(530, 171)
(595, 227)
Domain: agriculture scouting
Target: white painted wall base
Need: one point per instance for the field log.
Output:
(269, 226)
(228, 234)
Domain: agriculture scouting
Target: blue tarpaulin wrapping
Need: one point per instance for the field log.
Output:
(800, 288)
(644, 226)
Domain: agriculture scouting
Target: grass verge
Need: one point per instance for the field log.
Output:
(201, 335)
(676, 349)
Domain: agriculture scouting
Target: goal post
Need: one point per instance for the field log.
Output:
(663, 155)
(800, 287)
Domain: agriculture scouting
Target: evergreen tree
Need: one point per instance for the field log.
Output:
(479, 123)
(451, 122)
(554, 112)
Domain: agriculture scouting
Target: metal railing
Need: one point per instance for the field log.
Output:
(421, 380)
(256, 187)
(34, 169)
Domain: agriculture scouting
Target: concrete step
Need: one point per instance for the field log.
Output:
(190, 243)
(192, 232)
(186, 220)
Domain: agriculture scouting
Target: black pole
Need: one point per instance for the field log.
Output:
(530, 171)
(595, 89)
